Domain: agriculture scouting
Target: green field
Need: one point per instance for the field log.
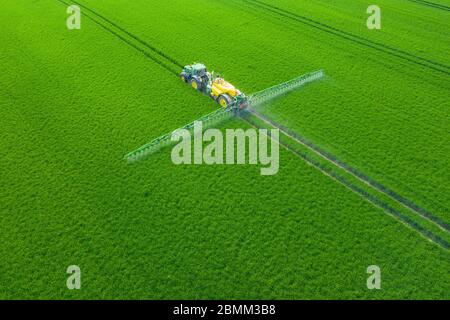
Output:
(74, 102)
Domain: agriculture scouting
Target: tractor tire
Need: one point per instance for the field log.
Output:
(183, 77)
(197, 85)
(224, 100)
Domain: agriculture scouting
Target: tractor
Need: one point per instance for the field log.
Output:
(221, 91)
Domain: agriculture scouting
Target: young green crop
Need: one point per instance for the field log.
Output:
(74, 102)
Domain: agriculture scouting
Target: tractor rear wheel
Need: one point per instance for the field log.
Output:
(224, 100)
(196, 84)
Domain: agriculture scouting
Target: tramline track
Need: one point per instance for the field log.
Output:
(354, 172)
(405, 220)
(156, 55)
(392, 51)
(432, 4)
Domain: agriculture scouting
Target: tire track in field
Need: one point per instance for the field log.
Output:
(356, 173)
(432, 4)
(361, 192)
(127, 41)
(407, 56)
(394, 180)
(161, 53)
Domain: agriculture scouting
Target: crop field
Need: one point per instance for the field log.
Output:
(364, 168)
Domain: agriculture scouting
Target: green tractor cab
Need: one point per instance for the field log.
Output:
(196, 75)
